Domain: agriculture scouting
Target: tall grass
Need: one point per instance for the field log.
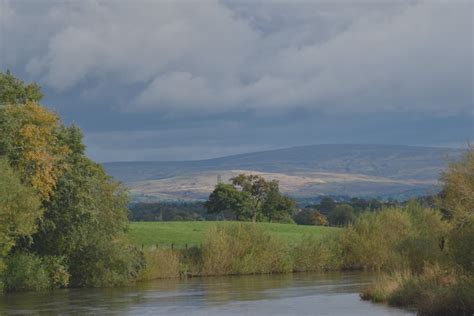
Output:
(434, 291)
(243, 249)
(394, 238)
(317, 254)
(160, 263)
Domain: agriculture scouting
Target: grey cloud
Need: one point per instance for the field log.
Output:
(213, 56)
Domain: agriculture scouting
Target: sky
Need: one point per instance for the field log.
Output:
(182, 80)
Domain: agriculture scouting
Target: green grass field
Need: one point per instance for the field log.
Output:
(191, 233)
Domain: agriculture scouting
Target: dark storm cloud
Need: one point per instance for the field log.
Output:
(183, 79)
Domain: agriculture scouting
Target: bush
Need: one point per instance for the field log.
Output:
(160, 263)
(460, 244)
(28, 272)
(310, 217)
(57, 271)
(436, 291)
(311, 254)
(385, 285)
(369, 243)
(393, 238)
(243, 249)
(342, 215)
(106, 263)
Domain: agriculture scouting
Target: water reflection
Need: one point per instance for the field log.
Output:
(288, 294)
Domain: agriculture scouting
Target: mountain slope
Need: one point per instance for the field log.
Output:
(303, 171)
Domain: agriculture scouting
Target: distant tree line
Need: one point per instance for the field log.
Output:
(228, 202)
(169, 211)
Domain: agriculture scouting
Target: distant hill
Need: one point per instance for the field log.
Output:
(354, 170)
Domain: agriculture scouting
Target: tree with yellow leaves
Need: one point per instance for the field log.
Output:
(30, 140)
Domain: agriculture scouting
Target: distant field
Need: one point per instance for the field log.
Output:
(191, 233)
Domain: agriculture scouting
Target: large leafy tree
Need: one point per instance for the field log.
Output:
(85, 211)
(250, 197)
(86, 217)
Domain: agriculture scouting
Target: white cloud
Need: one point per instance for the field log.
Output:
(212, 57)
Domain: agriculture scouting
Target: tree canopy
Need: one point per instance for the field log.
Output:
(251, 197)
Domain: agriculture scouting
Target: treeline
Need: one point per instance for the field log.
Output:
(63, 219)
(339, 213)
(170, 211)
(327, 212)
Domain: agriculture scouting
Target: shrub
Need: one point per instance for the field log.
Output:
(460, 244)
(394, 237)
(160, 263)
(385, 285)
(243, 249)
(310, 217)
(311, 254)
(106, 263)
(435, 291)
(57, 271)
(342, 215)
(28, 272)
(369, 243)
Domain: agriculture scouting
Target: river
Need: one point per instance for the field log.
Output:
(289, 294)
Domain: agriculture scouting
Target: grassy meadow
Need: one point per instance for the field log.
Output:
(191, 233)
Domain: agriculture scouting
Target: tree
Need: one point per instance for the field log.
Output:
(327, 205)
(256, 189)
(20, 208)
(250, 197)
(278, 207)
(15, 91)
(342, 215)
(224, 198)
(85, 211)
(30, 140)
(86, 220)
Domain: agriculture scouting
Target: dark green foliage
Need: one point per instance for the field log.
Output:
(461, 244)
(251, 197)
(326, 205)
(20, 208)
(359, 205)
(225, 198)
(341, 215)
(29, 272)
(105, 263)
(86, 221)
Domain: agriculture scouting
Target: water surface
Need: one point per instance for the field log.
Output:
(289, 294)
